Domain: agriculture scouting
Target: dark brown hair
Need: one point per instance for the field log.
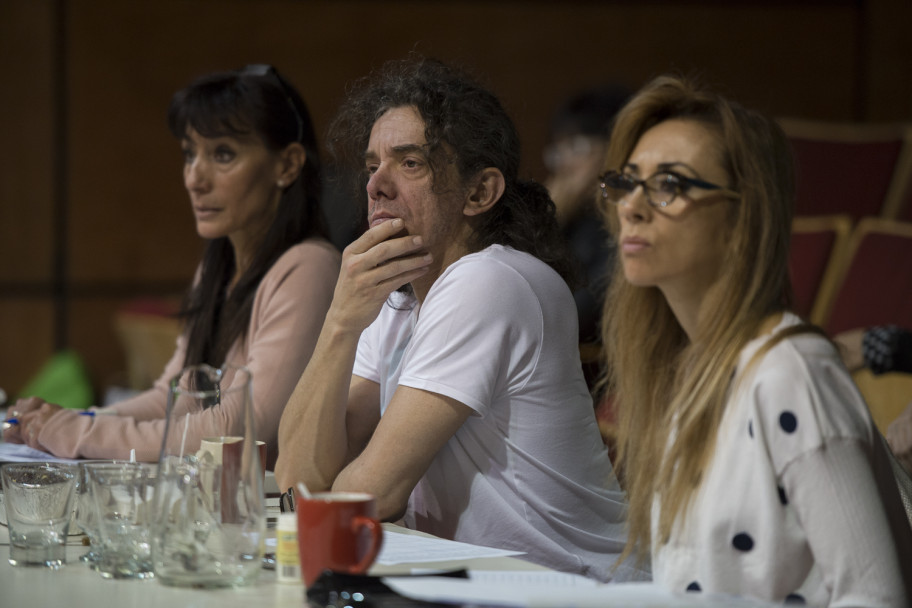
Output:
(248, 101)
(464, 124)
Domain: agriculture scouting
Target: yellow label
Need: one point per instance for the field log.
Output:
(287, 548)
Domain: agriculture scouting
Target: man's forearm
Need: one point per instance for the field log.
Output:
(313, 439)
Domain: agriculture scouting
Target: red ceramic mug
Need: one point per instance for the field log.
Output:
(337, 531)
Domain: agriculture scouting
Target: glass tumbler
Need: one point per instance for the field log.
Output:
(38, 498)
(86, 518)
(122, 495)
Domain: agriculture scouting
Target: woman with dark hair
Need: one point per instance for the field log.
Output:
(252, 170)
(750, 460)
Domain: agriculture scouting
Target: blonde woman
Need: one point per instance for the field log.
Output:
(751, 462)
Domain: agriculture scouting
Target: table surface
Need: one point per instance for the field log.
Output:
(76, 586)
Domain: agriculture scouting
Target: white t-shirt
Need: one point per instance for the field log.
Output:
(799, 501)
(528, 472)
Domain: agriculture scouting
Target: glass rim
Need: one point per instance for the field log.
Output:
(40, 464)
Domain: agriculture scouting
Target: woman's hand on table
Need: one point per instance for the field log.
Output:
(31, 415)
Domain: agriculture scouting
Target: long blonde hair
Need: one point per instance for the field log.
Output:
(656, 376)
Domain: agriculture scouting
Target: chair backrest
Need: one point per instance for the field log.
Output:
(874, 286)
(817, 244)
(148, 331)
(903, 210)
(898, 205)
(844, 168)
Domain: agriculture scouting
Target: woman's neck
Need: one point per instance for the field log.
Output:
(691, 308)
(243, 258)
(688, 307)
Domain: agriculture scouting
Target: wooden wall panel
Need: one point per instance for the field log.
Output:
(26, 190)
(92, 334)
(130, 218)
(887, 53)
(26, 133)
(130, 231)
(26, 340)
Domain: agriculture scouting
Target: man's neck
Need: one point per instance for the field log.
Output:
(422, 285)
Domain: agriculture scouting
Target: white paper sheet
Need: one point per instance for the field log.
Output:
(407, 548)
(552, 578)
(534, 589)
(18, 452)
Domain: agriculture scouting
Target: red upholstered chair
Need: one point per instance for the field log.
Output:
(844, 168)
(875, 288)
(898, 205)
(817, 244)
(875, 284)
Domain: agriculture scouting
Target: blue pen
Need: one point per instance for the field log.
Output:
(9, 422)
(12, 421)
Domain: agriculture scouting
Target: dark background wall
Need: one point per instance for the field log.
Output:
(92, 210)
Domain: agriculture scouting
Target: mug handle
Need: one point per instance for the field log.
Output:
(376, 531)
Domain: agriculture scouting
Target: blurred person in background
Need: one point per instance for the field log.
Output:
(883, 349)
(578, 140)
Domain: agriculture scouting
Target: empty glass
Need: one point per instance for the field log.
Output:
(38, 498)
(86, 517)
(122, 495)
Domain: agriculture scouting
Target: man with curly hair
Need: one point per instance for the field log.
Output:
(459, 400)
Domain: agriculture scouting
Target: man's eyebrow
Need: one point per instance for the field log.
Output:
(401, 150)
(410, 149)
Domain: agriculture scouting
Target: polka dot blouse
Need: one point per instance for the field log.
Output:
(798, 504)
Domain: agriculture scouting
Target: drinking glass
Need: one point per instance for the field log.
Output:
(122, 495)
(210, 513)
(38, 498)
(86, 517)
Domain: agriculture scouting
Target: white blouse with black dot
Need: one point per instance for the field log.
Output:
(790, 508)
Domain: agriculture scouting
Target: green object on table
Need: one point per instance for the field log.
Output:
(62, 380)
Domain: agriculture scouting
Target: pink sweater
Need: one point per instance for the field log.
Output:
(288, 311)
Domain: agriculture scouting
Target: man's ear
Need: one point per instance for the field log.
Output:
(488, 189)
(291, 161)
